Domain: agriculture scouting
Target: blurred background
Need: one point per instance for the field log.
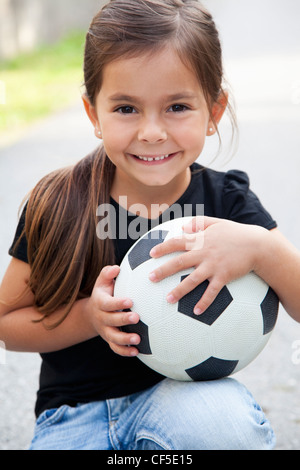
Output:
(26, 24)
(43, 126)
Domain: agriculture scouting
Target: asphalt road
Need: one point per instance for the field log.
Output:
(262, 62)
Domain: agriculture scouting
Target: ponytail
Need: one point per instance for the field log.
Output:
(64, 252)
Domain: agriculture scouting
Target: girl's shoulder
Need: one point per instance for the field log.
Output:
(225, 181)
(228, 195)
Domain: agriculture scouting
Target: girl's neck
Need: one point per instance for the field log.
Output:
(149, 201)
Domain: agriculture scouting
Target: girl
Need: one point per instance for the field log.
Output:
(154, 92)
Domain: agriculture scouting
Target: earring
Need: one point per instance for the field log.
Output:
(99, 133)
(210, 129)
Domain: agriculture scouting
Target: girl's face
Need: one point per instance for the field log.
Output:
(153, 118)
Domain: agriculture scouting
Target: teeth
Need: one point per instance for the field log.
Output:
(150, 159)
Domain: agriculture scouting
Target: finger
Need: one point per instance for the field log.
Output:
(178, 263)
(208, 297)
(122, 341)
(184, 242)
(188, 284)
(106, 277)
(106, 302)
(119, 319)
(174, 244)
(126, 351)
(117, 336)
(199, 223)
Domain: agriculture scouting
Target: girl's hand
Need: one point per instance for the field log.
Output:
(220, 250)
(106, 316)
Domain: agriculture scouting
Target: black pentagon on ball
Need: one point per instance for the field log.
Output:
(140, 329)
(187, 303)
(212, 369)
(269, 308)
(140, 252)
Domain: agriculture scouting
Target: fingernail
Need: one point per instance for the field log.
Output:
(134, 340)
(134, 353)
(152, 276)
(170, 298)
(197, 311)
(127, 303)
(152, 252)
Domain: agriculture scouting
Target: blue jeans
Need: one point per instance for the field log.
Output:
(172, 415)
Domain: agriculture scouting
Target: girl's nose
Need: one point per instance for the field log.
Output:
(152, 131)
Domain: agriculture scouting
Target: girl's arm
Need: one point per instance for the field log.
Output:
(222, 250)
(96, 315)
(279, 266)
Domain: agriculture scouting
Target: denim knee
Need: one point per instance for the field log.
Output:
(232, 419)
(206, 416)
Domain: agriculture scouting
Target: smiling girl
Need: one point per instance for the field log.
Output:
(154, 93)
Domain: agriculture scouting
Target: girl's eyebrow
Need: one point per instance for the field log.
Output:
(174, 97)
(120, 97)
(182, 96)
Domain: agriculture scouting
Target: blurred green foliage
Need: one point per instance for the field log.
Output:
(41, 82)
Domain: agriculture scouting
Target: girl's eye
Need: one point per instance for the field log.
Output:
(178, 108)
(125, 110)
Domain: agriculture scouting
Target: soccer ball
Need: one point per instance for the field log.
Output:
(177, 343)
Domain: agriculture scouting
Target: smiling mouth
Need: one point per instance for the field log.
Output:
(153, 158)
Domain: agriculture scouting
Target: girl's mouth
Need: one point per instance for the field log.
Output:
(153, 159)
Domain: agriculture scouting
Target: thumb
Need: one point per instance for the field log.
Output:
(105, 280)
(199, 223)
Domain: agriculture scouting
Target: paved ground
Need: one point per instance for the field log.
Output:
(264, 71)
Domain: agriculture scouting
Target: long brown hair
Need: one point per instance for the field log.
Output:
(64, 251)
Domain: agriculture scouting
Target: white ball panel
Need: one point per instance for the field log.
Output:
(250, 288)
(172, 371)
(235, 331)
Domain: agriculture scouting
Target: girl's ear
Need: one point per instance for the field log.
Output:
(92, 115)
(217, 112)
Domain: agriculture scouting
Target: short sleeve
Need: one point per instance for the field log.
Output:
(240, 204)
(18, 248)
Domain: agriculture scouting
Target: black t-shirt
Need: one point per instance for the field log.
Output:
(91, 371)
